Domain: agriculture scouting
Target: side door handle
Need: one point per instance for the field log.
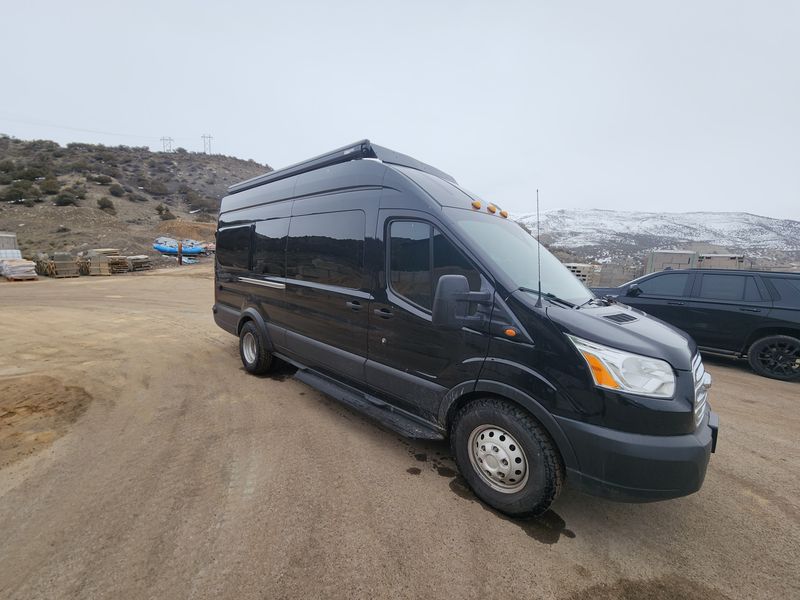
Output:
(675, 302)
(750, 309)
(383, 313)
(354, 304)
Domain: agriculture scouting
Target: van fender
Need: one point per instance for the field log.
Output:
(512, 394)
(251, 314)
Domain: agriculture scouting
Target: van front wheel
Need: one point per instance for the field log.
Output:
(506, 457)
(252, 350)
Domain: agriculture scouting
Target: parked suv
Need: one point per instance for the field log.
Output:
(747, 314)
(397, 292)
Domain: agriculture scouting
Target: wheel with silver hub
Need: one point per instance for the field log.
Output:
(252, 349)
(498, 458)
(506, 457)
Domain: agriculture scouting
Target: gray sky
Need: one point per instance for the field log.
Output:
(673, 105)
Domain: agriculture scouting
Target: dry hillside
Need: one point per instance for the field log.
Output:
(86, 196)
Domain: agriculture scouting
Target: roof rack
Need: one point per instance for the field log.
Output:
(354, 151)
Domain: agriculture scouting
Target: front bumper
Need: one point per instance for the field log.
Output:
(633, 467)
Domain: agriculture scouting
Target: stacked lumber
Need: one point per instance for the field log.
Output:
(118, 264)
(17, 269)
(140, 262)
(64, 265)
(106, 251)
(93, 265)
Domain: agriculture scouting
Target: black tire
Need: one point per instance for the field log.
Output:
(545, 470)
(260, 360)
(776, 356)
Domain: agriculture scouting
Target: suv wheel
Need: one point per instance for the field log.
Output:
(252, 350)
(776, 356)
(506, 457)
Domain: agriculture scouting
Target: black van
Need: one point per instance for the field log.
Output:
(399, 293)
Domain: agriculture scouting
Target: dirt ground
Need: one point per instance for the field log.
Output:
(140, 461)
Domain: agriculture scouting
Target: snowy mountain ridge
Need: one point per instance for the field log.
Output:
(616, 233)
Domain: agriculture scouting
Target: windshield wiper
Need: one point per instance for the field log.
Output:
(549, 296)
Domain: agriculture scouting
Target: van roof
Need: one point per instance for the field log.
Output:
(354, 151)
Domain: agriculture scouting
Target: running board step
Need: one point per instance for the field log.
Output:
(392, 417)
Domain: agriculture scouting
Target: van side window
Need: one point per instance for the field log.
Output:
(233, 247)
(418, 255)
(410, 261)
(327, 248)
(269, 247)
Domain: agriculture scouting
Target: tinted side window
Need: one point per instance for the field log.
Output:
(722, 287)
(669, 284)
(269, 247)
(327, 248)
(787, 288)
(751, 292)
(233, 247)
(418, 255)
(448, 260)
(410, 261)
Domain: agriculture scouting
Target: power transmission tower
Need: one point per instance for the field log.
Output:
(167, 143)
(207, 142)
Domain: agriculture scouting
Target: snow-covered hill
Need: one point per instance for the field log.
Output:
(608, 233)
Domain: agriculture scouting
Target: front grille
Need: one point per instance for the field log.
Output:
(702, 381)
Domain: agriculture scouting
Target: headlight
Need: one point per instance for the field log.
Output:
(618, 370)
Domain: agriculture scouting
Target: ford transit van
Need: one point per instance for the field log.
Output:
(396, 291)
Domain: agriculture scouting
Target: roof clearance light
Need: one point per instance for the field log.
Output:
(491, 208)
(504, 214)
(476, 204)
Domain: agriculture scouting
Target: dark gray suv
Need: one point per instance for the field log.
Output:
(747, 314)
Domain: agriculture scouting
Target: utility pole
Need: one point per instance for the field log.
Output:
(167, 143)
(207, 142)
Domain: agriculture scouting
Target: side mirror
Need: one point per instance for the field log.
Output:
(633, 290)
(451, 302)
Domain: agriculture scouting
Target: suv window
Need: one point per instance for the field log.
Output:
(233, 247)
(269, 247)
(327, 248)
(668, 284)
(788, 288)
(728, 287)
(418, 255)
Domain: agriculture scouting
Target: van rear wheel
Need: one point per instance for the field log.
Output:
(252, 350)
(506, 457)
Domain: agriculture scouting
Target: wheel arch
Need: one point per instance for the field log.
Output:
(252, 315)
(468, 392)
(768, 332)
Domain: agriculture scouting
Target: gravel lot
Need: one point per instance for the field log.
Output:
(138, 460)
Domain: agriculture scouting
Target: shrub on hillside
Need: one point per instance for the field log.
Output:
(107, 205)
(50, 186)
(115, 189)
(137, 198)
(167, 215)
(101, 179)
(66, 198)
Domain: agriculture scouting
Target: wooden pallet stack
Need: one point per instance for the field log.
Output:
(63, 265)
(140, 262)
(118, 264)
(93, 264)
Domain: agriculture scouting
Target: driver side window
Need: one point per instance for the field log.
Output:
(668, 284)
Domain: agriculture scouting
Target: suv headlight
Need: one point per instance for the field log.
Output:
(619, 370)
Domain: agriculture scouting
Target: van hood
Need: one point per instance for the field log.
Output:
(623, 327)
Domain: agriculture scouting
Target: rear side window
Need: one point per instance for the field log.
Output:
(668, 284)
(787, 288)
(233, 247)
(269, 247)
(418, 255)
(728, 287)
(327, 248)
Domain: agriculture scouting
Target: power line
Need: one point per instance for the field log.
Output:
(207, 142)
(167, 143)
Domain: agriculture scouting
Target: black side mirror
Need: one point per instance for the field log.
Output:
(451, 303)
(633, 290)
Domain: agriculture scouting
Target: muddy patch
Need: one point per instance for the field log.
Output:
(413, 471)
(670, 587)
(36, 410)
(547, 528)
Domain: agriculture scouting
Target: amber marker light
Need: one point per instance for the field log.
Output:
(491, 208)
(504, 214)
(600, 373)
(510, 332)
(476, 204)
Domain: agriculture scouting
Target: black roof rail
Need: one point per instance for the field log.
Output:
(354, 151)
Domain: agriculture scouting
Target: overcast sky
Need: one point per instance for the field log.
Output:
(672, 105)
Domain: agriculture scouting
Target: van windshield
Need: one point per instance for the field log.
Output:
(512, 251)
